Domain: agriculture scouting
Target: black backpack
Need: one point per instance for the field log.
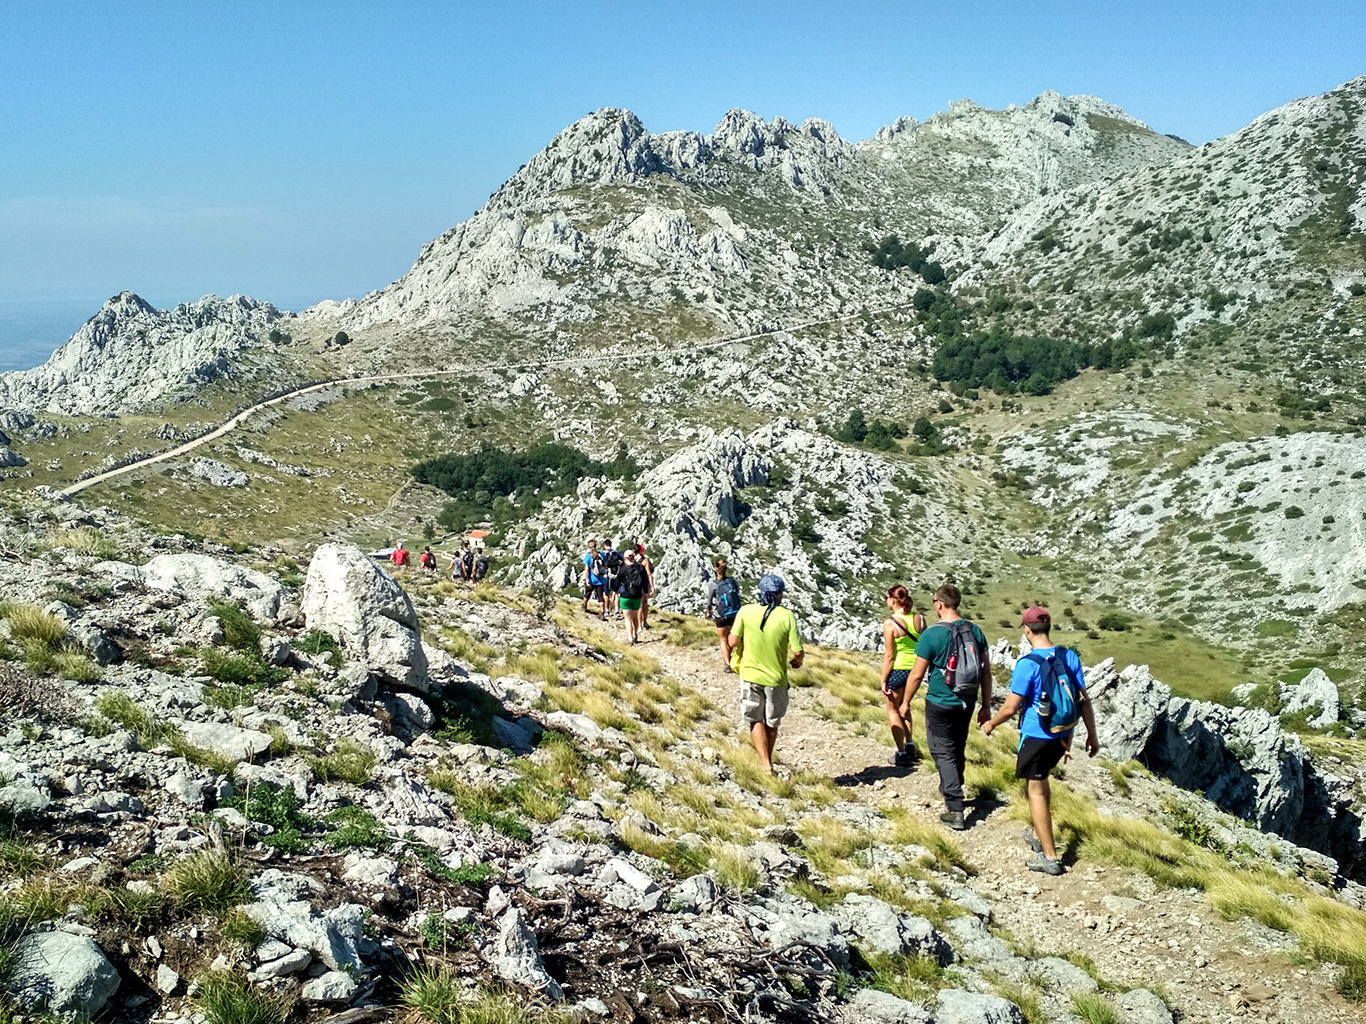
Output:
(633, 581)
(727, 597)
(967, 661)
(611, 564)
(481, 567)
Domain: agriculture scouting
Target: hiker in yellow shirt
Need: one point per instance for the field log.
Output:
(767, 636)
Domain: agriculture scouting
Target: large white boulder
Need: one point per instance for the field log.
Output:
(368, 613)
(203, 576)
(66, 975)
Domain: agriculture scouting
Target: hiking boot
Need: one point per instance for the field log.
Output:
(904, 758)
(1040, 863)
(1032, 841)
(954, 820)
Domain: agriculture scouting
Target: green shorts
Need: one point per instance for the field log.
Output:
(630, 604)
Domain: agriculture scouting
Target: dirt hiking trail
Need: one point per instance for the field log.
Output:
(1138, 934)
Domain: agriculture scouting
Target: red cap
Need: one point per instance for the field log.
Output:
(1036, 615)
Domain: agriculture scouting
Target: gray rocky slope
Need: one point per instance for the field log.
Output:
(115, 781)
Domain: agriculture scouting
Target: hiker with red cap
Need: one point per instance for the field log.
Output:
(1048, 684)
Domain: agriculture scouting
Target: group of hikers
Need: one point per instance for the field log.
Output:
(466, 564)
(622, 582)
(949, 658)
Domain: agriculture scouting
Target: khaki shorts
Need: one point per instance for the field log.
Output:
(765, 704)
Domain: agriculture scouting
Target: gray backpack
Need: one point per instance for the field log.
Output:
(967, 661)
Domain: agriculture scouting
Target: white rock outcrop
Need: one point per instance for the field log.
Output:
(205, 576)
(370, 615)
(63, 974)
(131, 356)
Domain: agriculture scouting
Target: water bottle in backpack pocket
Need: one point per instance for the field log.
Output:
(966, 662)
(727, 598)
(1059, 701)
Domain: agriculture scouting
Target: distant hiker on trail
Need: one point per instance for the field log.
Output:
(1048, 684)
(481, 567)
(427, 560)
(900, 631)
(466, 561)
(649, 566)
(399, 556)
(611, 577)
(954, 653)
(592, 578)
(769, 642)
(723, 602)
(634, 582)
(453, 570)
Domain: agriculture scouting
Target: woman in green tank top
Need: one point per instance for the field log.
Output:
(900, 631)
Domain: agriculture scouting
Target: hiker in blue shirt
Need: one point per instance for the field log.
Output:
(1044, 739)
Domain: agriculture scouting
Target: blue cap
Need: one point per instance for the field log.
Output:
(771, 588)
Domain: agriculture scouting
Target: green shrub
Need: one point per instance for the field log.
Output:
(1094, 1008)
(227, 997)
(1115, 622)
(350, 761)
(1352, 983)
(357, 827)
(1276, 627)
(1294, 512)
(280, 810)
(208, 882)
(240, 631)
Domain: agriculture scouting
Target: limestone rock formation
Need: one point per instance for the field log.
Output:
(204, 575)
(1316, 693)
(348, 595)
(131, 356)
(66, 975)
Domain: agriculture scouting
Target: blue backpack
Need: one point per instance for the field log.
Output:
(1059, 699)
(727, 597)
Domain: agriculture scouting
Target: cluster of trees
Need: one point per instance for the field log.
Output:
(878, 434)
(1019, 364)
(1012, 364)
(893, 254)
(486, 483)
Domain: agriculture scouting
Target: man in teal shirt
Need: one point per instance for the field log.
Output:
(948, 717)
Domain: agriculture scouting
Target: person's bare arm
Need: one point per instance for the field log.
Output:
(984, 712)
(1009, 708)
(1089, 719)
(913, 683)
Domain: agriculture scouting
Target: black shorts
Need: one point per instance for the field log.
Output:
(1036, 757)
(724, 623)
(592, 592)
(896, 679)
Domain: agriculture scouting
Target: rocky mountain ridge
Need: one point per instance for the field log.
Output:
(131, 357)
(705, 213)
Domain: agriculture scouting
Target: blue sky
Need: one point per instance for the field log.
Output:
(299, 151)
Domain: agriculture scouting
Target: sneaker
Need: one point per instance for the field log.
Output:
(954, 820)
(1040, 863)
(644, 625)
(903, 758)
(1032, 841)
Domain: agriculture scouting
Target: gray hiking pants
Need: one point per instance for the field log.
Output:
(946, 734)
